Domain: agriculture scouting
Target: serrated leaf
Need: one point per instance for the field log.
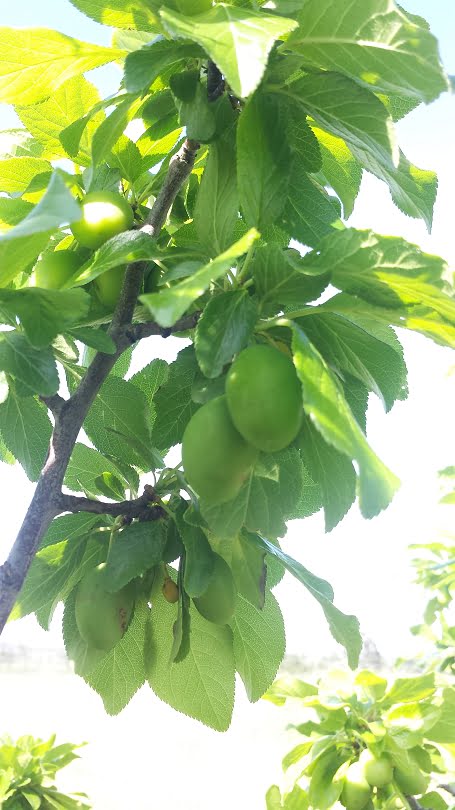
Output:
(339, 168)
(126, 157)
(263, 160)
(224, 328)
(120, 673)
(35, 368)
(249, 570)
(111, 129)
(309, 212)
(114, 13)
(19, 254)
(56, 570)
(405, 690)
(169, 305)
(375, 43)
(127, 247)
(324, 790)
(26, 431)
(199, 558)
(134, 550)
(56, 208)
(150, 378)
(278, 278)
(344, 628)
(273, 798)
(216, 210)
(349, 112)
(326, 406)
(444, 730)
(386, 271)
(237, 40)
(12, 211)
(143, 66)
(333, 472)
(18, 173)
(95, 338)
(202, 685)
(259, 644)
(85, 466)
(35, 62)
(173, 402)
(118, 423)
(44, 314)
(45, 121)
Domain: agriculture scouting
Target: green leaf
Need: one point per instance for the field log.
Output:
(384, 270)
(408, 723)
(18, 173)
(120, 673)
(408, 690)
(12, 211)
(344, 628)
(237, 40)
(216, 210)
(224, 329)
(310, 212)
(339, 168)
(174, 405)
(85, 467)
(56, 570)
(413, 190)
(57, 208)
(324, 789)
(289, 687)
(35, 368)
(278, 277)
(249, 570)
(347, 111)
(118, 423)
(143, 66)
(45, 121)
(134, 550)
(126, 157)
(45, 313)
(127, 247)
(199, 558)
(197, 116)
(169, 305)
(112, 128)
(35, 62)
(151, 378)
(297, 799)
(351, 349)
(115, 14)
(326, 406)
(26, 431)
(273, 798)
(263, 160)
(259, 644)
(202, 685)
(19, 254)
(302, 140)
(332, 470)
(95, 338)
(444, 730)
(375, 43)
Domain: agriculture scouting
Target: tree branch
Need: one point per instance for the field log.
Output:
(70, 414)
(141, 508)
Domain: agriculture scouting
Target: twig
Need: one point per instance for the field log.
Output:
(141, 508)
(69, 415)
(449, 788)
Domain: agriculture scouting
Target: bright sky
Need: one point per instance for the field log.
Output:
(367, 562)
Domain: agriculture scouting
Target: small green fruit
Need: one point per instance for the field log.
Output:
(264, 397)
(217, 603)
(53, 270)
(411, 782)
(102, 617)
(104, 214)
(108, 286)
(378, 771)
(170, 591)
(356, 791)
(216, 458)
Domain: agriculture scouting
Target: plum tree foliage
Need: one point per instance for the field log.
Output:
(238, 130)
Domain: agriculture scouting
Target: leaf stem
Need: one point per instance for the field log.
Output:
(246, 265)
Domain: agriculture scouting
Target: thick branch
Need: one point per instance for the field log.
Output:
(69, 415)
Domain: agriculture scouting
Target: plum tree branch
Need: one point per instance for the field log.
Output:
(142, 508)
(69, 414)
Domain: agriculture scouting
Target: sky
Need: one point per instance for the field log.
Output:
(367, 562)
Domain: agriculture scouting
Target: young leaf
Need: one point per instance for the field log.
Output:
(259, 644)
(238, 40)
(85, 466)
(224, 329)
(35, 368)
(45, 313)
(112, 128)
(35, 62)
(169, 305)
(18, 173)
(375, 43)
(202, 685)
(263, 160)
(18, 255)
(126, 247)
(326, 406)
(26, 430)
(56, 208)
